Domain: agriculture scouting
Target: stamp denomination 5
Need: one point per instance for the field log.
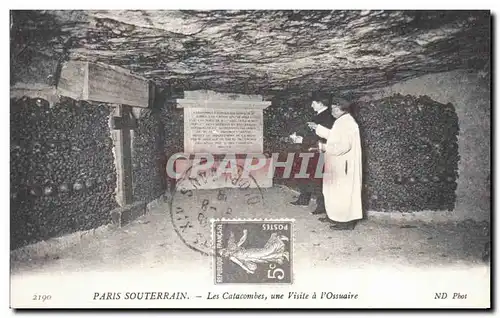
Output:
(262, 253)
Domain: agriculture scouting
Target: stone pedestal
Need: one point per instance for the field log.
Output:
(223, 125)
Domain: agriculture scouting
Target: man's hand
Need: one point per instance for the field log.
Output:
(312, 125)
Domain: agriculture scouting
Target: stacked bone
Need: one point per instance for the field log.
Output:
(410, 153)
(147, 157)
(62, 172)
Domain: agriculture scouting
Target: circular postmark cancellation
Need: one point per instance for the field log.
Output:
(204, 195)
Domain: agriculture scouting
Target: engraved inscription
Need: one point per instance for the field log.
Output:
(223, 130)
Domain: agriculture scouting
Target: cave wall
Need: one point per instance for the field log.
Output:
(62, 173)
(470, 93)
(410, 154)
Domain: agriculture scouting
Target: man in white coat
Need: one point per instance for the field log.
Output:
(342, 179)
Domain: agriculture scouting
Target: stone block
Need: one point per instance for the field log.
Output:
(124, 215)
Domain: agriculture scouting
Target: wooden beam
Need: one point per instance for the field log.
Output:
(48, 93)
(123, 153)
(124, 123)
(72, 80)
(104, 83)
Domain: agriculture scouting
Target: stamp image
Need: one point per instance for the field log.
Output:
(253, 251)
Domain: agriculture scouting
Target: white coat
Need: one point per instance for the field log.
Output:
(342, 179)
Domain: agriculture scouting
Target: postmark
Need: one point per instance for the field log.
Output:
(192, 207)
(253, 251)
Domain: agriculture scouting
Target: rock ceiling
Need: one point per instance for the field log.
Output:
(257, 51)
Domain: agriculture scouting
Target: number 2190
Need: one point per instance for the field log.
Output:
(42, 297)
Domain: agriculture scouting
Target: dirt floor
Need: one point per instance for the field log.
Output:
(391, 262)
(151, 241)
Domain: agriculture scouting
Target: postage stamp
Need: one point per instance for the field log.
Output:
(253, 251)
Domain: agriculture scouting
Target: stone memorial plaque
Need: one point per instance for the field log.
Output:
(215, 130)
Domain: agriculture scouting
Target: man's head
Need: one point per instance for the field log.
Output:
(340, 106)
(320, 100)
